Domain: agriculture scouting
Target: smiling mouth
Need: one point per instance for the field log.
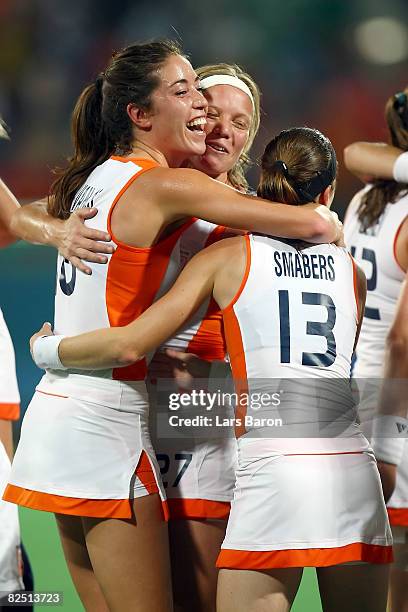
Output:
(197, 125)
(217, 147)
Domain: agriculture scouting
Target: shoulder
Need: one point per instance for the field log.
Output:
(223, 251)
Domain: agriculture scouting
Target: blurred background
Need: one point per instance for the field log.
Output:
(329, 64)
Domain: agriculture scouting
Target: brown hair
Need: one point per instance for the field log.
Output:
(236, 176)
(100, 123)
(292, 159)
(383, 191)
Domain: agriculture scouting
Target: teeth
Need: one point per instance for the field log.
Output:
(218, 147)
(199, 121)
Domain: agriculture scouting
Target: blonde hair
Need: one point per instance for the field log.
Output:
(236, 176)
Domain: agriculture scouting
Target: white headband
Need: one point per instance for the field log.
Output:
(226, 79)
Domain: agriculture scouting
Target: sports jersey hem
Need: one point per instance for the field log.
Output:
(10, 411)
(74, 506)
(244, 278)
(312, 557)
(398, 516)
(187, 508)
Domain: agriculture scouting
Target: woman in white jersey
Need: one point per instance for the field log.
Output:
(132, 128)
(205, 489)
(199, 474)
(312, 495)
(377, 235)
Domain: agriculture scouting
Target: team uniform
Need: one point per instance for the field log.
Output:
(307, 491)
(85, 447)
(10, 554)
(374, 249)
(198, 473)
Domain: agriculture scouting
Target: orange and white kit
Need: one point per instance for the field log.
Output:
(10, 554)
(374, 250)
(85, 447)
(198, 474)
(310, 493)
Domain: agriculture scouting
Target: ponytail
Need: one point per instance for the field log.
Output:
(91, 148)
(297, 165)
(100, 123)
(383, 191)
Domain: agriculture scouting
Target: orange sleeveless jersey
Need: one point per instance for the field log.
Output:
(117, 293)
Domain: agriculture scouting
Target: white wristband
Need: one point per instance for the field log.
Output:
(45, 353)
(388, 440)
(400, 169)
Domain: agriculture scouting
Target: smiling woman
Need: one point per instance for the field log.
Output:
(132, 128)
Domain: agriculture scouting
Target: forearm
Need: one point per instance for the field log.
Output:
(371, 160)
(98, 350)
(193, 194)
(8, 207)
(33, 224)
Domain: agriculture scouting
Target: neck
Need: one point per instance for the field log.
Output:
(142, 149)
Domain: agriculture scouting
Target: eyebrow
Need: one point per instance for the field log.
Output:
(184, 81)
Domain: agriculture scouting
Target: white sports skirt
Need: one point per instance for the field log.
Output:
(300, 510)
(198, 471)
(85, 448)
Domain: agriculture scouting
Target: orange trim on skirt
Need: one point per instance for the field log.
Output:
(180, 508)
(310, 557)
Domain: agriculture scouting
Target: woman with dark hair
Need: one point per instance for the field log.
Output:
(199, 473)
(377, 234)
(310, 496)
(97, 471)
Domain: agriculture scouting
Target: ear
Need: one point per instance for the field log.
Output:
(326, 196)
(139, 117)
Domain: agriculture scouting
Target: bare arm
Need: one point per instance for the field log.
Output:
(371, 160)
(396, 355)
(362, 294)
(186, 192)
(32, 223)
(9, 205)
(121, 346)
(393, 394)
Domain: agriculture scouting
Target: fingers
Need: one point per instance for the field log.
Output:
(93, 234)
(89, 243)
(175, 354)
(77, 263)
(86, 213)
(46, 330)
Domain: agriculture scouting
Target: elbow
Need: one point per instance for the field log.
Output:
(126, 355)
(349, 155)
(321, 229)
(397, 346)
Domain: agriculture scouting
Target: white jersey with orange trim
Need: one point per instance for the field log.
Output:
(118, 292)
(374, 249)
(10, 554)
(9, 395)
(310, 495)
(94, 470)
(198, 474)
(290, 331)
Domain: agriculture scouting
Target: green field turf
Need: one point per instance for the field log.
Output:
(41, 540)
